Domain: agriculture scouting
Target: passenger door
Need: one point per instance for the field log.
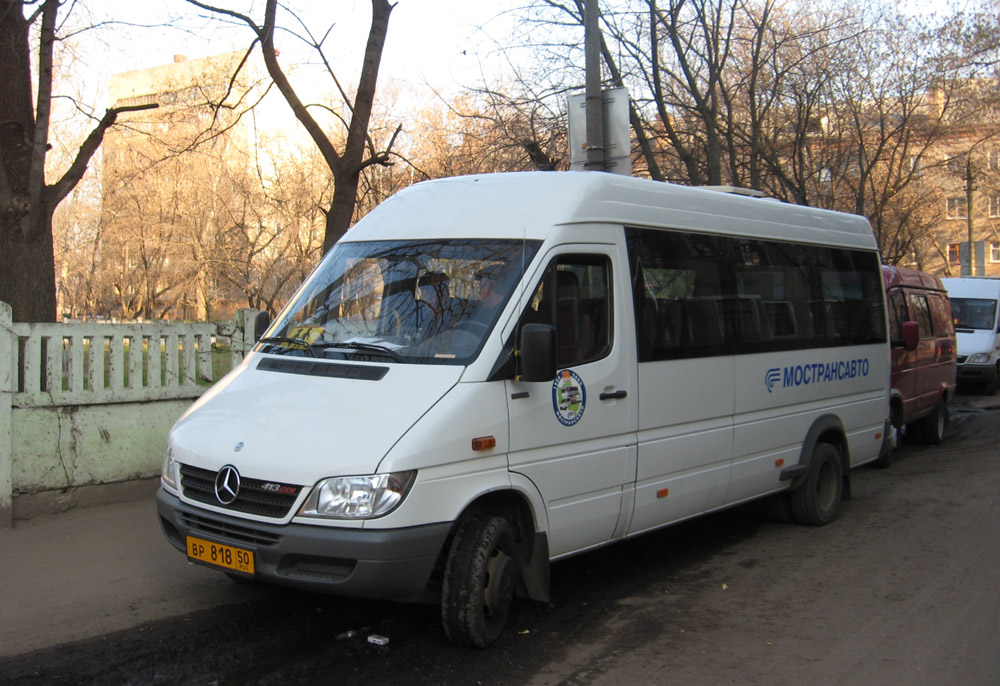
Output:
(924, 358)
(574, 436)
(686, 371)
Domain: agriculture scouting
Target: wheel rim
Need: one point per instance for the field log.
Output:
(499, 590)
(826, 487)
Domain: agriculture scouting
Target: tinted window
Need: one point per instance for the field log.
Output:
(700, 295)
(921, 313)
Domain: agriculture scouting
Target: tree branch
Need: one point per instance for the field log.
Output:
(313, 128)
(62, 188)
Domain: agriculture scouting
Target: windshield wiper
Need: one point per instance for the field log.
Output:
(298, 342)
(369, 347)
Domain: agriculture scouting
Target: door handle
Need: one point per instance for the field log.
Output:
(615, 395)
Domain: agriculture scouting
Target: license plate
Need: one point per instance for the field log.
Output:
(220, 555)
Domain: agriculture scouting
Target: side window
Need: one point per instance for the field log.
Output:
(941, 312)
(705, 295)
(922, 315)
(574, 296)
(897, 314)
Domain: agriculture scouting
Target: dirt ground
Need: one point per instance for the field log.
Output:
(900, 589)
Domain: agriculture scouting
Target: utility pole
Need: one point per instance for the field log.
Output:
(595, 105)
(970, 186)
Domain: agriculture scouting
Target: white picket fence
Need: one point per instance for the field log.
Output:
(88, 403)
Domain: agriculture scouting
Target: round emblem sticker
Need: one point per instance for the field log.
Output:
(569, 397)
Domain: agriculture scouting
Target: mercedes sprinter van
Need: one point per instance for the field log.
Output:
(974, 304)
(490, 373)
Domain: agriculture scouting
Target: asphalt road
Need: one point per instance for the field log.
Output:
(901, 589)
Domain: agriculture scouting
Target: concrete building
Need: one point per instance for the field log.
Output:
(168, 174)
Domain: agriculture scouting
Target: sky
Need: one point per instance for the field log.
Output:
(441, 44)
(433, 47)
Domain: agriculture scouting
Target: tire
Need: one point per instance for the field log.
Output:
(932, 426)
(991, 385)
(884, 460)
(778, 509)
(480, 579)
(815, 502)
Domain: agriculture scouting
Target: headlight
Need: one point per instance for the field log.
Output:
(358, 497)
(168, 473)
(978, 358)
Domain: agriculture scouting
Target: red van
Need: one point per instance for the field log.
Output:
(923, 351)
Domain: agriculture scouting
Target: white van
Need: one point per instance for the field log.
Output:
(974, 305)
(601, 356)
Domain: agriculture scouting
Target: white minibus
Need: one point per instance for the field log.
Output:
(490, 373)
(974, 303)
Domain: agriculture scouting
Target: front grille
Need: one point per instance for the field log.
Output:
(256, 497)
(227, 530)
(961, 359)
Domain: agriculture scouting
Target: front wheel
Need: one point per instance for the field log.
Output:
(993, 382)
(480, 579)
(817, 499)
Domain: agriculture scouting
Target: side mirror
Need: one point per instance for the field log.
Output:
(260, 324)
(537, 357)
(911, 335)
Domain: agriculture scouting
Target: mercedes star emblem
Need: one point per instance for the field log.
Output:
(227, 485)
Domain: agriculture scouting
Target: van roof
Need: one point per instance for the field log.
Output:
(528, 204)
(972, 287)
(905, 276)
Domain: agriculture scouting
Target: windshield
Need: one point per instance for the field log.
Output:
(974, 313)
(424, 302)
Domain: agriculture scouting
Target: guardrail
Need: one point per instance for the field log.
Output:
(83, 404)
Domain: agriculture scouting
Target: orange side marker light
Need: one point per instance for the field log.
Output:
(484, 443)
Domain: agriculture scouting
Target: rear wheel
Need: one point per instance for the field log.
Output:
(932, 426)
(817, 499)
(885, 459)
(480, 579)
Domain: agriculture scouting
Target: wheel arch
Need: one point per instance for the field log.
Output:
(826, 429)
(896, 408)
(530, 525)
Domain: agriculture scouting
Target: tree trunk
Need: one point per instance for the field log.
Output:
(341, 212)
(347, 175)
(27, 269)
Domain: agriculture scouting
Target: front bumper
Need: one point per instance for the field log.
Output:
(975, 372)
(392, 564)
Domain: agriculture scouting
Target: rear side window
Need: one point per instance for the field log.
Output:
(921, 313)
(941, 314)
(704, 295)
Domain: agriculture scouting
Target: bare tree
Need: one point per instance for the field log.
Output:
(358, 151)
(821, 106)
(271, 234)
(27, 201)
